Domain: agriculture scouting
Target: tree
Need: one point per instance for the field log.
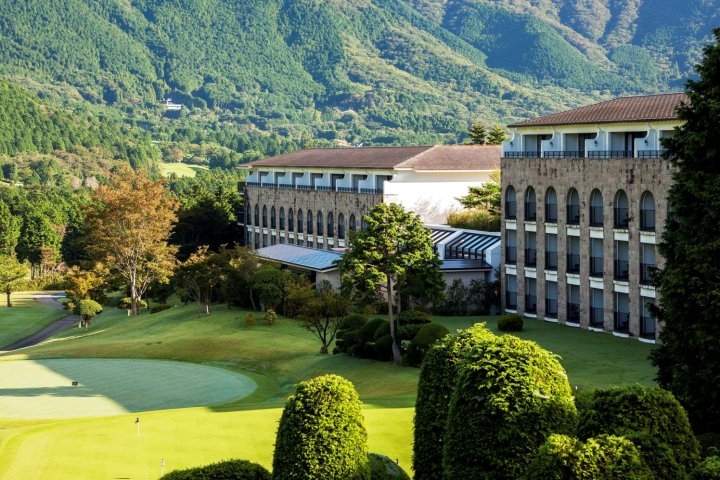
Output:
(380, 256)
(9, 230)
(496, 136)
(323, 313)
(10, 271)
(87, 309)
(128, 225)
(486, 197)
(478, 133)
(688, 355)
(79, 284)
(321, 433)
(198, 277)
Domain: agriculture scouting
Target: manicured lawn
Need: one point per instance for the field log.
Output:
(25, 317)
(275, 358)
(180, 169)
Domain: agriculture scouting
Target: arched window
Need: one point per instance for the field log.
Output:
(330, 225)
(264, 217)
(341, 226)
(530, 205)
(248, 214)
(510, 203)
(273, 223)
(309, 222)
(573, 207)
(363, 224)
(596, 208)
(320, 223)
(257, 215)
(551, 212)
(282, 218)
(620, 210)
(647, 212)
(299, 221)
(291, 220)
(353, 226)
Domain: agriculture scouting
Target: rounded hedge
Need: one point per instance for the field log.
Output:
(160, 307)
(708, 469)
(414, 317)
(437, 378)
(366, 333)
(510, 323)
(423, 340)
(509, 396)
(383, 468)
(650, 417)
(382, 330)
(606, 457)
(226, 470)
(408, 332)
(353, 322)
(321, 433)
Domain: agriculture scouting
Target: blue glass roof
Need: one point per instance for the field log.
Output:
(310, 258)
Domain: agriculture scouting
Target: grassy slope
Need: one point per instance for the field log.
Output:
(276, 358)
(180, 169)
(25, 317)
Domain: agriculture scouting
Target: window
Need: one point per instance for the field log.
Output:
(573, 207)
(248, 215)
(352, 223)
(596, 308)
(647, 322)
(320, 223)
(299, 220)
(291, 220)
(596, 209)
(511, 247)
(510, 203)
(530, 295)
(282, 218)
(647, 212)
(551, 214)
(265, 218)
(596, 257)
(530, 205)
(551, 252)
(622, 313)
(530, 249)
(273, 223)
(573, 254)
(511, 292)
(257, 215)
(622, 266)
(573, 304)
(330, 225)
(621, 210)
(309, 222)
(551, 302)
(647, 263)
(341, 226)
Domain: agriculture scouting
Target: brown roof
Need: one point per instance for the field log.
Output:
(625, 109)
(440, 157)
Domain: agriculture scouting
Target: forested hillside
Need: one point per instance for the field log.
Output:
(259, 77)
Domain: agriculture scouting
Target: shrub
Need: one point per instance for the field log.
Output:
(408, 332)
(475, 220)
(353, 322)
(709, 443)
(227, 470)
(510, 323)
(606, 457)
(457, 299)
(414, 316)
(51, 281)
(421, 343)
(249, 319)
(509, 396)
(383, 348)
(708, 469)
(159, 307)
(126, 303)
(366, 333)
(653, 419)
(270, 317)
(437, 378)
(321, 433)
(382, 330)
(383, 468)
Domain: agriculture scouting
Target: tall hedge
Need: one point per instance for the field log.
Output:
(510, 395)
(606, 457)
(227, 470)
(321, 434)
(650, 417)
(437, 378)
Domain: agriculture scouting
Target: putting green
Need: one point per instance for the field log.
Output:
(43, 388)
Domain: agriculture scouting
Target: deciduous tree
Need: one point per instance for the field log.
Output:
(10, 271)
(323, 312)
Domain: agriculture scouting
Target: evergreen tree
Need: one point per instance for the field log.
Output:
(9, 230)
(478, 133)
(496, 135)
(688, 358)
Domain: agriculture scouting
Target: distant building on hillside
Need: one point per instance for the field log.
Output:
(585, 199)
(168, 105)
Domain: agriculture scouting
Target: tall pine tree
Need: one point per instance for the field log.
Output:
(688, 358)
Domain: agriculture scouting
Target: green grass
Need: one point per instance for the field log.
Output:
(180, 169)
(275, 358)
(25, 317)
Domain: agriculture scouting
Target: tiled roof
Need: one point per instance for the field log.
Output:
(625, 109)
(305, 257)
(440, 157)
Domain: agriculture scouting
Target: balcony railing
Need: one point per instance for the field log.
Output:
(551, 308)
(564, 154)
(610, 154)
(647, 220)
(647, 272)
(650, 153)
(573, 263)
(573, 214)
(596, 266)
(317, 188)
(530, 304)
(622, 219)
(511, 300)
(588, 154)
(528, 154)
(511, 255)
(551, 260)
(596, 317)
(530, 257)
(647, 327)
(551, 213)
(573, 313)
(622, 322)
(621, 269)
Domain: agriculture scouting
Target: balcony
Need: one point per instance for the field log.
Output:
(551, 260)
(573, 263)
(621, 322)
(621, 269)
(551, 308)
(596, 317)
(317, 188)
(528, 154)
(530, 257)
(530, 304)
(573, 313)
(511, 255)
(596, 266)
(647, 273)
(587, 154)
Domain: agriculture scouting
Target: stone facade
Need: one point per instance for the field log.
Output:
(634, 176)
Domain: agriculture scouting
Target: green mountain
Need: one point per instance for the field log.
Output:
(262, 76)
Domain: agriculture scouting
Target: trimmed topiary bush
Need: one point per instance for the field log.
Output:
(421, 343)
(383, 468)
(708, 469)
(383, 348)
(226, 470)
(437, 378)
(510, 323)
(249, 319)
(509, 396)
(270, 317)
(382, 330)
(414, 317)
(606, 457)
(353, 322)
(160, 307)
(408, 332)
(321, 433)
(652, 419)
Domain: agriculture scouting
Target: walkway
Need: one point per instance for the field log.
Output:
(51, 300)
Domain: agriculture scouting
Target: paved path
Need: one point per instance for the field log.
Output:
(51, 300)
